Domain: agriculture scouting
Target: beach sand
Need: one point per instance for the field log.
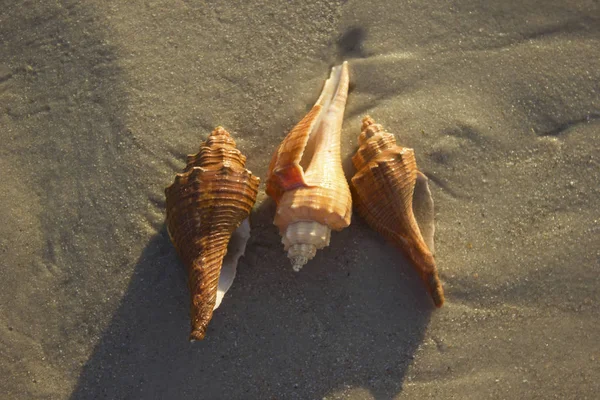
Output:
(100, 101)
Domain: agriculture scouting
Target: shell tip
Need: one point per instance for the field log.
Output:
(436, 290)
(344, 67)
(219, 131)
(366, 122)
(298, 262)
(197, 334)
(300, 253)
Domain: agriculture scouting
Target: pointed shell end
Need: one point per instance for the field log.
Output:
(366, 122)
(436, 290)
(197, 334)
(219, 130)
(298, 262)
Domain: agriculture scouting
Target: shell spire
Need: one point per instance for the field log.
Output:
(208, 203)
(393, 196)
(305, 176)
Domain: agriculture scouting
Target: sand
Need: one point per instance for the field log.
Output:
(100, 101)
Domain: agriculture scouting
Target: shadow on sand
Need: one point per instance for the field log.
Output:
(351, 318)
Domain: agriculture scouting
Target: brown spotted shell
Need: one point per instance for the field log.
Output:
(205, 205)
(306, 179)
(383, 189)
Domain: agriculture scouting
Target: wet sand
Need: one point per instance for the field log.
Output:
(100, 101)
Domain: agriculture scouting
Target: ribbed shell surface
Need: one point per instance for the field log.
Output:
(383, 189)
(205, 205)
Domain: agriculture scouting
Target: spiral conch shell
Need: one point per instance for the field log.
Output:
(207, 209)
(305, 175)
(394, 198)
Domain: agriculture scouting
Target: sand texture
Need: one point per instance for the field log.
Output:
(100, 101)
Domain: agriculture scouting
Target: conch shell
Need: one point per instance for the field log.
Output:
(394, 198)
(305, 175)
(207, 209)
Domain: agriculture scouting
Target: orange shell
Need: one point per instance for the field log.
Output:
(383, 189)
(305, 176)
(205, 205)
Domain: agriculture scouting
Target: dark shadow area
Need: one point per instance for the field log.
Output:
(350, 43)
(562, 128)
(353, 317)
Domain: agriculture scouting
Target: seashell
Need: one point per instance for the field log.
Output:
(305, 175)
(394, 198)
(207, 209)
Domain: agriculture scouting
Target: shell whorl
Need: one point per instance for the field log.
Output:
(302, 239)
(373, 140)
(217, 151)
(383, 189)
(205, 205)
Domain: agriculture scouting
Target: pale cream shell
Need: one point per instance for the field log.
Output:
(306, 179)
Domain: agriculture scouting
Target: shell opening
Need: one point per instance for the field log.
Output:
(235, 249)
(328, 94)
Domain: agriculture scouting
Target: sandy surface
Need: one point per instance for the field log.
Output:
(101, 100)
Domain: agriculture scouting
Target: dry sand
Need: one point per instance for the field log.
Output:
(101, 100)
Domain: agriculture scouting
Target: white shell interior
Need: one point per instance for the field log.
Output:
(328, 116)
(423, 210)
(235, 249)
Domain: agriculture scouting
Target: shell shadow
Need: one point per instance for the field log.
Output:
(351, 318)
(350, 44)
